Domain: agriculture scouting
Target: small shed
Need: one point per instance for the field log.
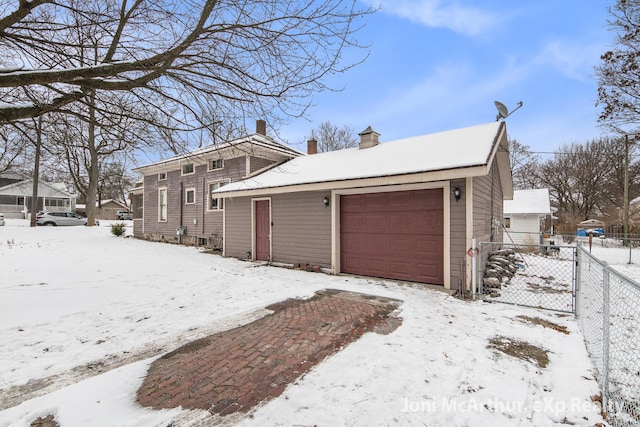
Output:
(524, 216)
(591, 223)
(106, 209)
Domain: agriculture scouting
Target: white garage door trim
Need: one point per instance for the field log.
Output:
(446, 212)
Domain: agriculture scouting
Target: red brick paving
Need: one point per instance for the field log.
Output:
(235, 370)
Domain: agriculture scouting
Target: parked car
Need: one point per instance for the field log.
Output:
(1, 219)
(595, 232)
(122, 215)
(60, 218)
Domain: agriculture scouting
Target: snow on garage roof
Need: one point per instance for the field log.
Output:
(528, 202)
(460, 148)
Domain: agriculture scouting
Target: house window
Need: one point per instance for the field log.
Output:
(190, 196)
(136, 205)
(215, 203)
(162, 204)
(216, 164)
(162, 176)
(507, 223)
(187, 169)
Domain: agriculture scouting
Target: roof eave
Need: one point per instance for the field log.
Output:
(410, 178)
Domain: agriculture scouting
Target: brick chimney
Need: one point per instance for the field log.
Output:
(261, 127)
(368, 138)
(312, 146)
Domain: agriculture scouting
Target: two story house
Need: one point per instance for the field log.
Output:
(174, 201)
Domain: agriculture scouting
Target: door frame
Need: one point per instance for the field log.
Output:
(253, 227)
(446, 212)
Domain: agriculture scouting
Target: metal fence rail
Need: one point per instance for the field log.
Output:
(608, 311)
(541, 276)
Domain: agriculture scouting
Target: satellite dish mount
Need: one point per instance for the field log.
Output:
(503, 111)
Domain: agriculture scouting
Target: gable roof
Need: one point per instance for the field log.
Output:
(255, 144)
(528, 202)
(455, 154)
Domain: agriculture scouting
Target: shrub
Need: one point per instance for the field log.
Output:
(117, 229)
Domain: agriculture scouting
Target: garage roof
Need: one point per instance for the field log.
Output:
(454, 149)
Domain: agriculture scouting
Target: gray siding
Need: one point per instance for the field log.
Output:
(200, 223)
(458, 235)
(301, 229)
(488, 204)
(237, 239)
(257, 163)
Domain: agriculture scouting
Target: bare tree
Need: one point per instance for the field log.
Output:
(209, 55)
(579, 179)
(524, 166)
(174, 65)
(619, 71)
(330, 137)
(12, 147)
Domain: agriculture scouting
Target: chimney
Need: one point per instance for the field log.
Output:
(261, 127)
(368, 138)
(312, 146)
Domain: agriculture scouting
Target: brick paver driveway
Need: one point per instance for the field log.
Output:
(235, 370)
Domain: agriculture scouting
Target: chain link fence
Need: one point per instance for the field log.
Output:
(606, 304)
(608, 312)
(541, 276)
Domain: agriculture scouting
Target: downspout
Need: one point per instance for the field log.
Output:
(205, 202)
(181, 213)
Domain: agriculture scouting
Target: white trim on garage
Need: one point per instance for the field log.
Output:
(446, 212)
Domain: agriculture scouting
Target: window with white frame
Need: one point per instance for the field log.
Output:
(507, 222)
(216, 203)
(189, 196)
(188, 168)
(162, 204)
(216, 164)
(162, 176)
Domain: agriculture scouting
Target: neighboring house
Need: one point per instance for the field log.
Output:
(106, 209)
(16, 192)
(526, 215)
(406, 209)
(174, 201)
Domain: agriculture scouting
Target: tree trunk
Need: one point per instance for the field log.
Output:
(94, 172)
(36, 175)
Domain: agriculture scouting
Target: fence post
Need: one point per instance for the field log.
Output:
(576, 284)
(605, 335)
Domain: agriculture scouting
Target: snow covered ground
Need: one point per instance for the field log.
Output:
(84, 313)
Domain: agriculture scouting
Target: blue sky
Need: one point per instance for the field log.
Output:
(437, 65)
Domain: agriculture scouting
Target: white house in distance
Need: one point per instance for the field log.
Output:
(524, 216)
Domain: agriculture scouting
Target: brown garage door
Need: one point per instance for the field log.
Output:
(395, 235)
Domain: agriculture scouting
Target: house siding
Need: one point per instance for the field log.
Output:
(458, 235)
(257, 163)
(201, 224)
(301, 230)
(237, 237)
(524, 230)
(488, 204)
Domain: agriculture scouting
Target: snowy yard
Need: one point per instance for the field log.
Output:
(83, 314)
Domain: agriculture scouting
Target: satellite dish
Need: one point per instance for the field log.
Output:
(503, 111)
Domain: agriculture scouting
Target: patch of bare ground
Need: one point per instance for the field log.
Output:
(544, 323)
(48, 421)
(521, 350)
